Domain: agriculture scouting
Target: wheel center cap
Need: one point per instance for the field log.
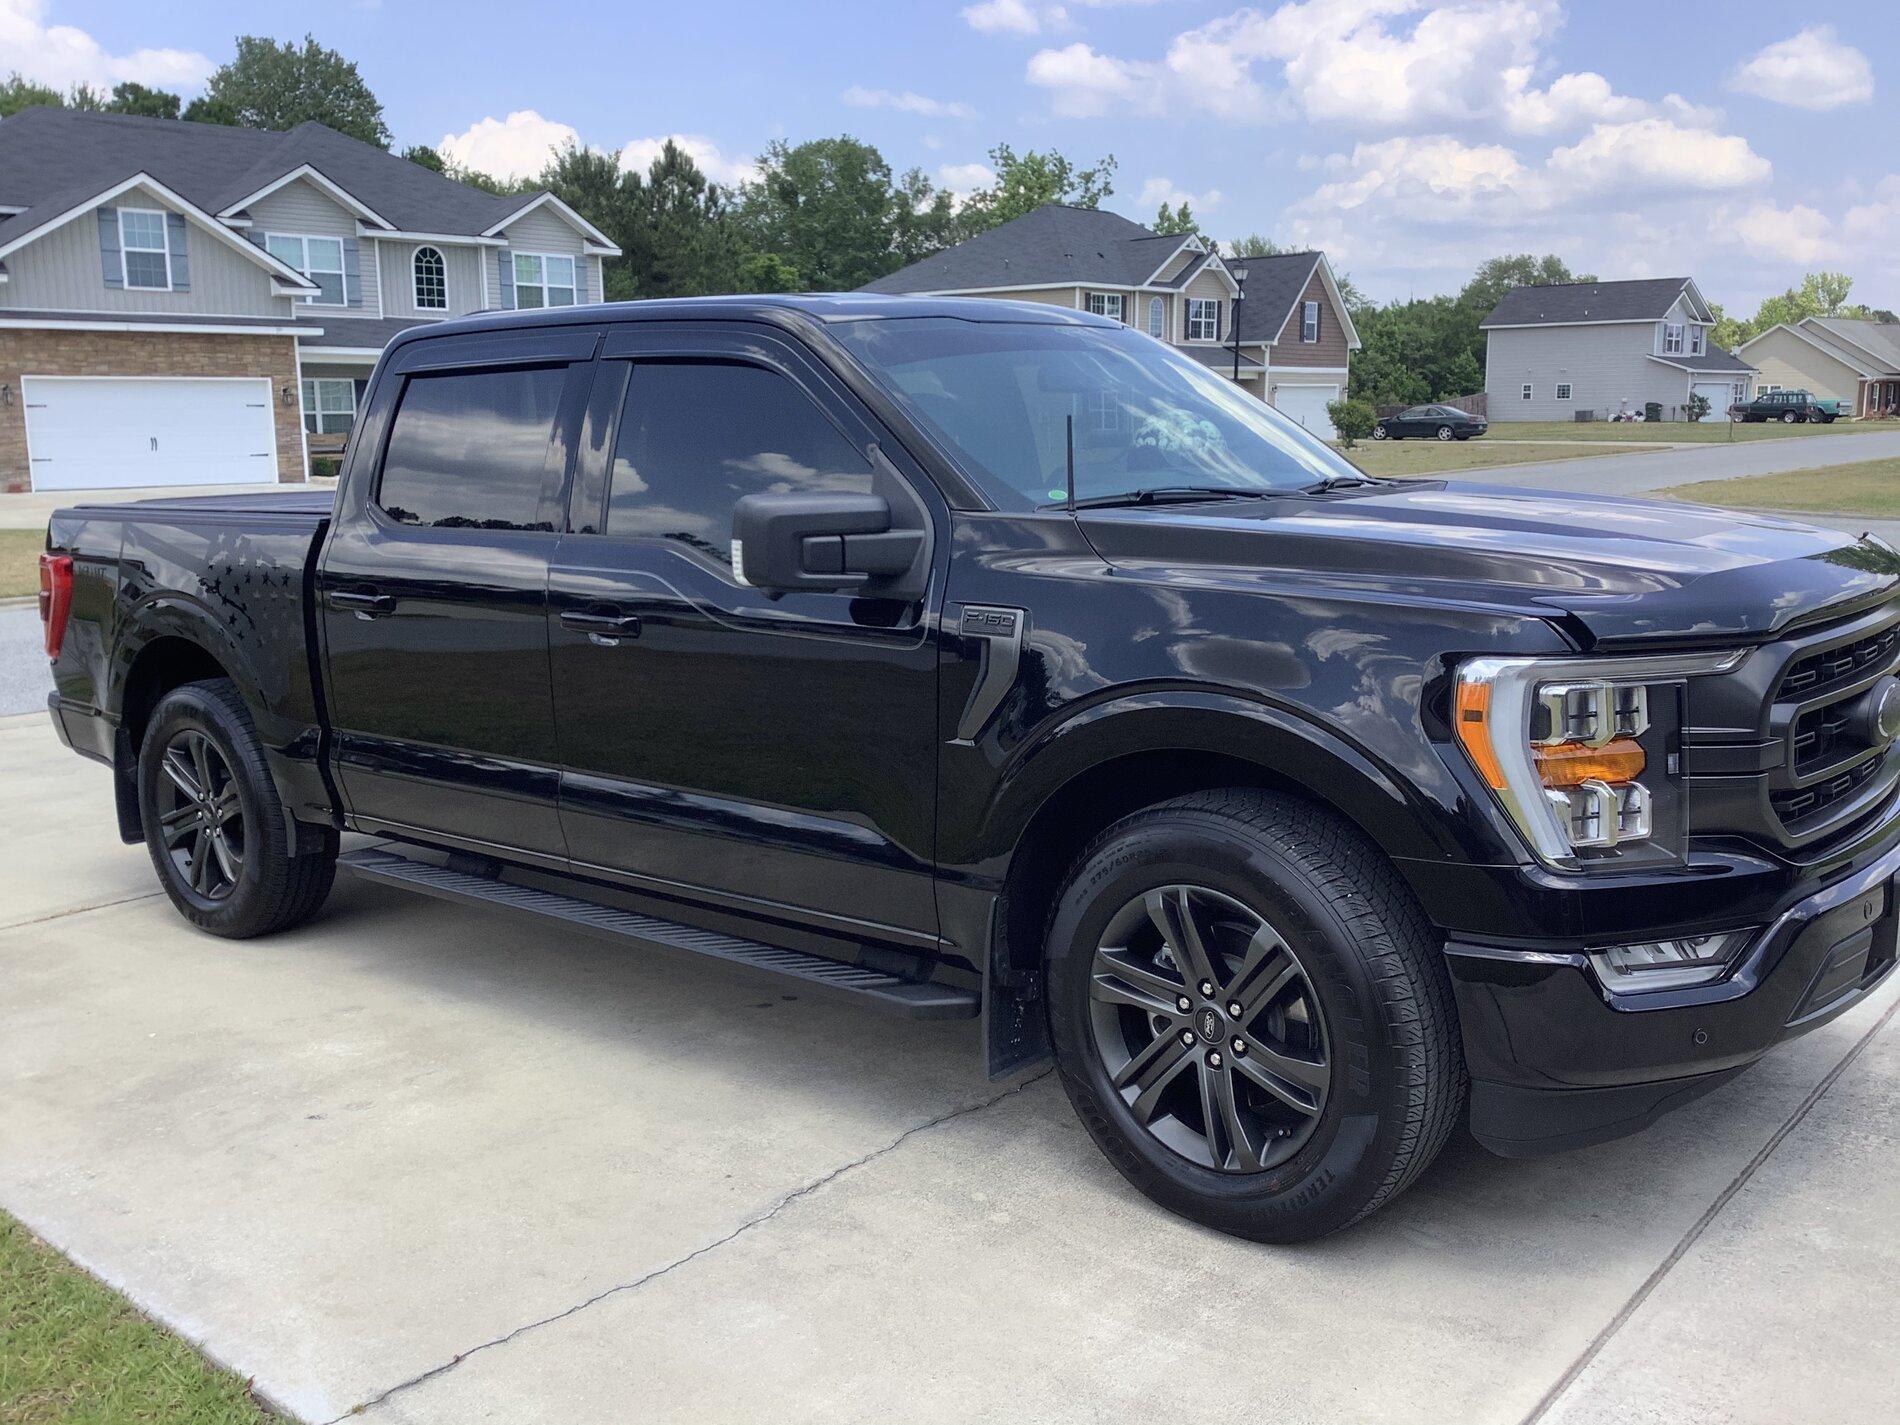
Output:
(1210, 1025)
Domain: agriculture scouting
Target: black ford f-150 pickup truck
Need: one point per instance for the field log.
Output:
(976, 658)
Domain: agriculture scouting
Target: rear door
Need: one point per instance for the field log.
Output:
(772, 754)
(433, 589)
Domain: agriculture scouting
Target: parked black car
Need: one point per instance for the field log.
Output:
(968, 658)
(1436, 422)
(1789, 407)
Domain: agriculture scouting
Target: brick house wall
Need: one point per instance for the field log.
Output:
(92, 353)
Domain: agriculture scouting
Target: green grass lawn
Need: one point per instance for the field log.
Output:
(1866, 487)
(72, 1350)
(1435, 457)
(1677, 431)
(20, 561)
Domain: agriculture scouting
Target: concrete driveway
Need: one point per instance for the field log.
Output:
(420, 1159)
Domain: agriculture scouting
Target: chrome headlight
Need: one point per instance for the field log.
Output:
(1581, 753)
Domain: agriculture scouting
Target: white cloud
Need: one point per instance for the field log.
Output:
(518, 146)
(963, 179)
(64, 55)
(1157, 191)
(1798, 234)
(1013, 17)
(1811, 70)
(906, 102)
(721, 168)
(1656, 154)
(1084, 83)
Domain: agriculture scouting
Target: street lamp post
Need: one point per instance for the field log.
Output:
(1240, 300)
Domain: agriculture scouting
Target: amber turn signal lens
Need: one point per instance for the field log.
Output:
(1571, 764)
(1472, 723)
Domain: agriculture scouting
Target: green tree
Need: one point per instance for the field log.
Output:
(130, 98)
(18, 92)
(86, 99)
(1255, 245)
(686, 230)
(206, 110)
(425, 156)
(1030, 180)
(1820, 294)
(833, 211)
(767, 272)
(272, 86)
(1176, 220)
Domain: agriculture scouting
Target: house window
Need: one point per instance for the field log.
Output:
(1672, 338)
(143, 250)
(1309, 321)
(329, 407)
(432, 280)
(542, 280)
(1741, 390)
(1106, 304)
(1563, 390)
(1769, 389)
(1203, 319)
(1157, 318)
(1105, 410)
(1525, 391)
(318, 258)
(1697, 339)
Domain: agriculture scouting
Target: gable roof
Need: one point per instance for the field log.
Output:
(1569, 303)
(1714, 360)
(1054, 246)
(1276, 284)
(1880, 340)
(218, 169)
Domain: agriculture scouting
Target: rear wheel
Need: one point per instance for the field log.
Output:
(214, 825)
(1446, 433)
(1788, 418)
(1249, 1015)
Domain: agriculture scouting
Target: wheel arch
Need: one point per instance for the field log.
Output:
(1116, 758)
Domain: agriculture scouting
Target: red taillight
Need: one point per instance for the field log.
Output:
(56, 598)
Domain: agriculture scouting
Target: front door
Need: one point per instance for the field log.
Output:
(772, 754)
(433, 589)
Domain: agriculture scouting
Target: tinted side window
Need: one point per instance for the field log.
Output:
(469, 449)
(696, 436)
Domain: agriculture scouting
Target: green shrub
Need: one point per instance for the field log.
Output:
(324, 466)
(1353, 420)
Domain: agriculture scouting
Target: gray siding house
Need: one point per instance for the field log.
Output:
(1607, 348)
(195, 304)
(1282, 316)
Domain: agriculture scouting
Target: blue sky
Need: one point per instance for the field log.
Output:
(1741, 143)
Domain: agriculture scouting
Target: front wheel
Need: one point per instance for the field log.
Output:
(1378, 433)
(214, 824)
(1250, 1016)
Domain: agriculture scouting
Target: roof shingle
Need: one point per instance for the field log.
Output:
(1647, 299)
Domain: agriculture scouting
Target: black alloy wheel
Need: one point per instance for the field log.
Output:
(1208, 1027)
(201, 819)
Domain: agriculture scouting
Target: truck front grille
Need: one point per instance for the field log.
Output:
(1834, 763)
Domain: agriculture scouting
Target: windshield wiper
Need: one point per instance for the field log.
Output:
(1166, 495)
(1343, 482)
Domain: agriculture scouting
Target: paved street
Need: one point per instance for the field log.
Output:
(1717, 460)
(421, 1158)
(24, 677)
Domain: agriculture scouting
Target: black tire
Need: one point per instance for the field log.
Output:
(1788, 418)
(264, 887)
(1370, 961)
(1447, 433)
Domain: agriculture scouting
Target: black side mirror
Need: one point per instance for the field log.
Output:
(832, 543)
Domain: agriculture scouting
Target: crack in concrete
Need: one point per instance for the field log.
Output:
(796, 1195)
(1602, 1339)
(77, 910)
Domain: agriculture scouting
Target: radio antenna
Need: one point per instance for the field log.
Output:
(1071, 466)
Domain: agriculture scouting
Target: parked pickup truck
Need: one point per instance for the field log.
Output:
(1786, 406)
(970, 658)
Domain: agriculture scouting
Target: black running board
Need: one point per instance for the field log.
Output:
(814, 973)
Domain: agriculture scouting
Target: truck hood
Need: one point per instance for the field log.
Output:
(1614, 571)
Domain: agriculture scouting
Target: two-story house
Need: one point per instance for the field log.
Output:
(1852, 360)
(191, 304)
(1607, 348)
(1281, 316)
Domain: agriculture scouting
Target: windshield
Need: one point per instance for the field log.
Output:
(999, 397)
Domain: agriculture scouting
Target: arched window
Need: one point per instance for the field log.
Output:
(1157, 323)
(432, 280)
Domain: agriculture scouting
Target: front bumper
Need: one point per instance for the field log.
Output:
(1557, 1061)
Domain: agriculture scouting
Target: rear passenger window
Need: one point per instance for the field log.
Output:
(469, 450)
(696, 436)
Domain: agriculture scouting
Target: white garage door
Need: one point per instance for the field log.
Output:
(1720, 396)
(98, 432)
(1307, 405)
